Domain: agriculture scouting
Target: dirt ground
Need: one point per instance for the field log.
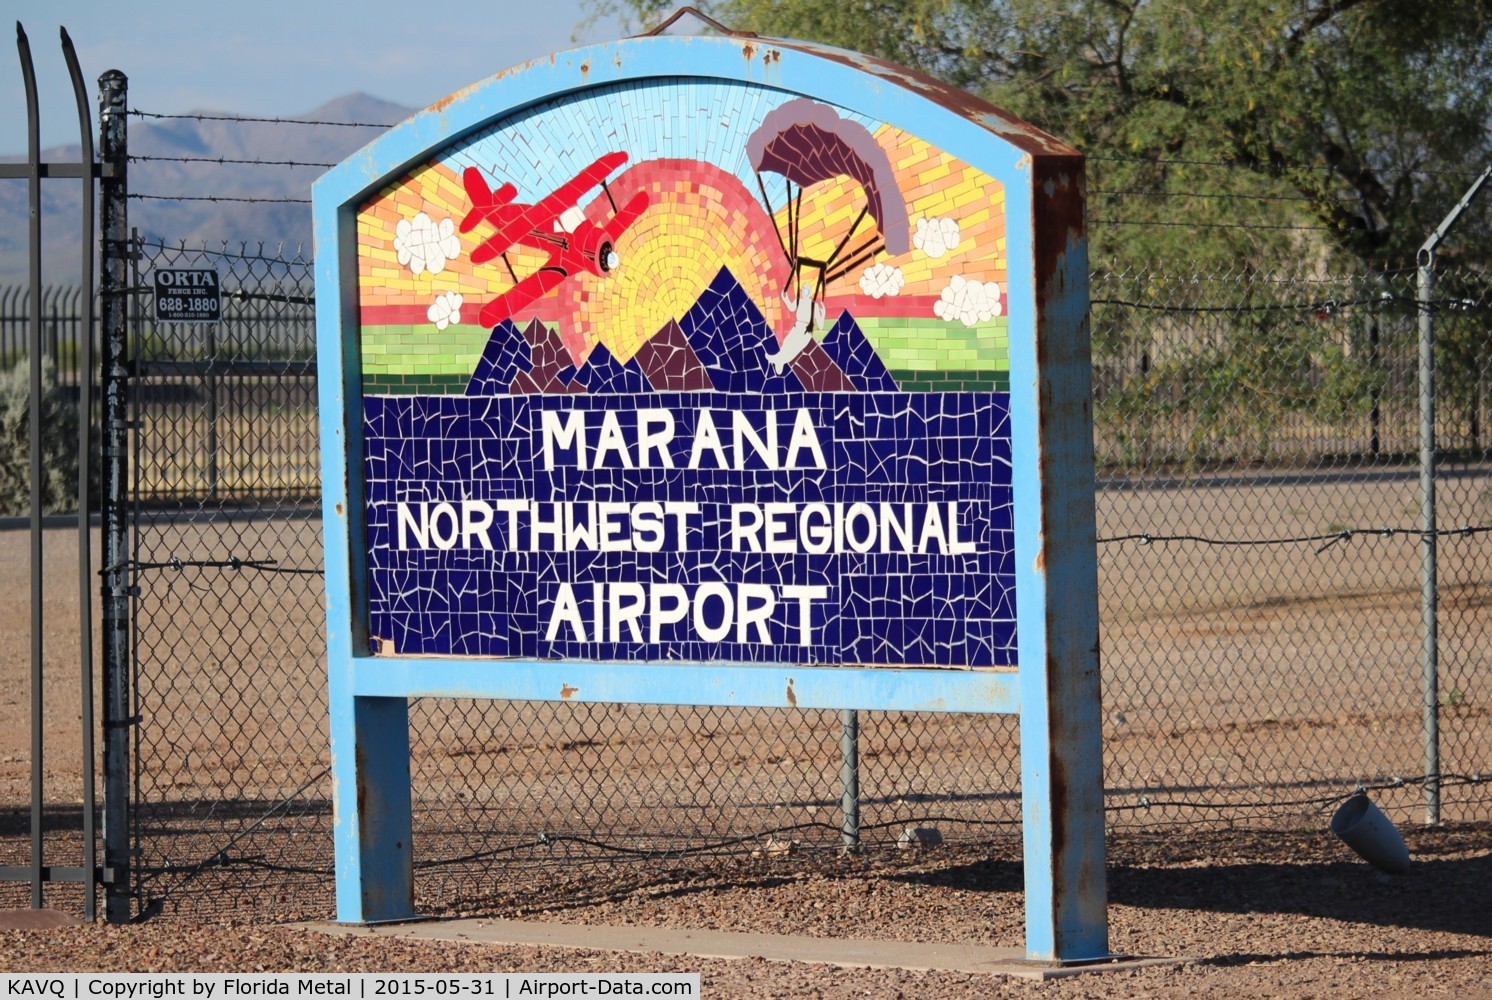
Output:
(1264, 914)
(1287, 674)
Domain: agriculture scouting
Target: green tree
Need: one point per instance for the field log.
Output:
(1349, 127)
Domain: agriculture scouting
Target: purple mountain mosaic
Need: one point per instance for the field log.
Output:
(850, 351)
(551, 372)
(671, 364)
(721, 343)
(508, 354)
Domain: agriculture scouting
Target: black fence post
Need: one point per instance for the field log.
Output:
(113, 137)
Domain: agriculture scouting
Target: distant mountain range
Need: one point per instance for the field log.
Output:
(177, 145)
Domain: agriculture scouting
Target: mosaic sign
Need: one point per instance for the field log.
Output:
(719, 372)
(721, 377)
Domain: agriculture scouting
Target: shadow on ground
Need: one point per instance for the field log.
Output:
(1305, 873)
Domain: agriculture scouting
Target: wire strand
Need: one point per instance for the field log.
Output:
(757, 838)
(1330, 538)
(1259, 168)
(137, 113)
(242, 255)
(219, 198)
(1200, 194)
(231, 562)
(1211, 225)
(227, 160)
(1315, 306)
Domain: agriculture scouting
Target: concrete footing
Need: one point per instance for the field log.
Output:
(846, 953)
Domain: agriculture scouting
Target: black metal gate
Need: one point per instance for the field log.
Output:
(227, 622)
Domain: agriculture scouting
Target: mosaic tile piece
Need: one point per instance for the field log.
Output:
(732, 340)
(846, 345)
(549, 358)
(508, 353)
(670, 364)
(604, 373)
(818, 372)
(807, 142)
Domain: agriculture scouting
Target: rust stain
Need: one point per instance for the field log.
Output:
(455, 96)
(792, 696)
(567, 692)
(338, 509)
(1059, 806)
(585, 68)
(360, 757)
(749, 51)
(1059, 222)
(773, 55)
(1040, 564)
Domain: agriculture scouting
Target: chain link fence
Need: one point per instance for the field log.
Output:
(1258, 516)
(1259, 519)
(228, 626)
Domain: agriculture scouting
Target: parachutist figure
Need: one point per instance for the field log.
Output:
(808, 312)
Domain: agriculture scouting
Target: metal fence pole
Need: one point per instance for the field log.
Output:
(113, 135)
(34, 361)
(849, 774)
(82, 299)
(1429, 609)
(210, 388)
(1429, 640)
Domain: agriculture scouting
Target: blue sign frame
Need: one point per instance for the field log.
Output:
(1054, 687)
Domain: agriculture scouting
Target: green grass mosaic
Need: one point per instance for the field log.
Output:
(422, 350)
(910, 344)
(923, 355)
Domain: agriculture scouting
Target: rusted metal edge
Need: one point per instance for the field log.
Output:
(1021, 134)
(707, 19)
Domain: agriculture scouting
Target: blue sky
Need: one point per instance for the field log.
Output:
(273, 57)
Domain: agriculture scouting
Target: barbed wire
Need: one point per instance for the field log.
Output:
(137, 113)
(220, 857)
(1166, 161)
(231, 562)
(767, 835)
(1441, 780)
(1450, 305)
(1145, 538)
(218, 198)
(1330, 538)
(222, 160)
(1200, 194)
(1260, 168)
(1312, 306)
(1211, 225)
(243, 254)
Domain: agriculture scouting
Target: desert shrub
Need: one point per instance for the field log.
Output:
(59, 443)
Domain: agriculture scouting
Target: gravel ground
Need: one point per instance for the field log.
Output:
(1268, 914)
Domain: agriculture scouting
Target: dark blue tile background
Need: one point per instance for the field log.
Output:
(931, 609)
